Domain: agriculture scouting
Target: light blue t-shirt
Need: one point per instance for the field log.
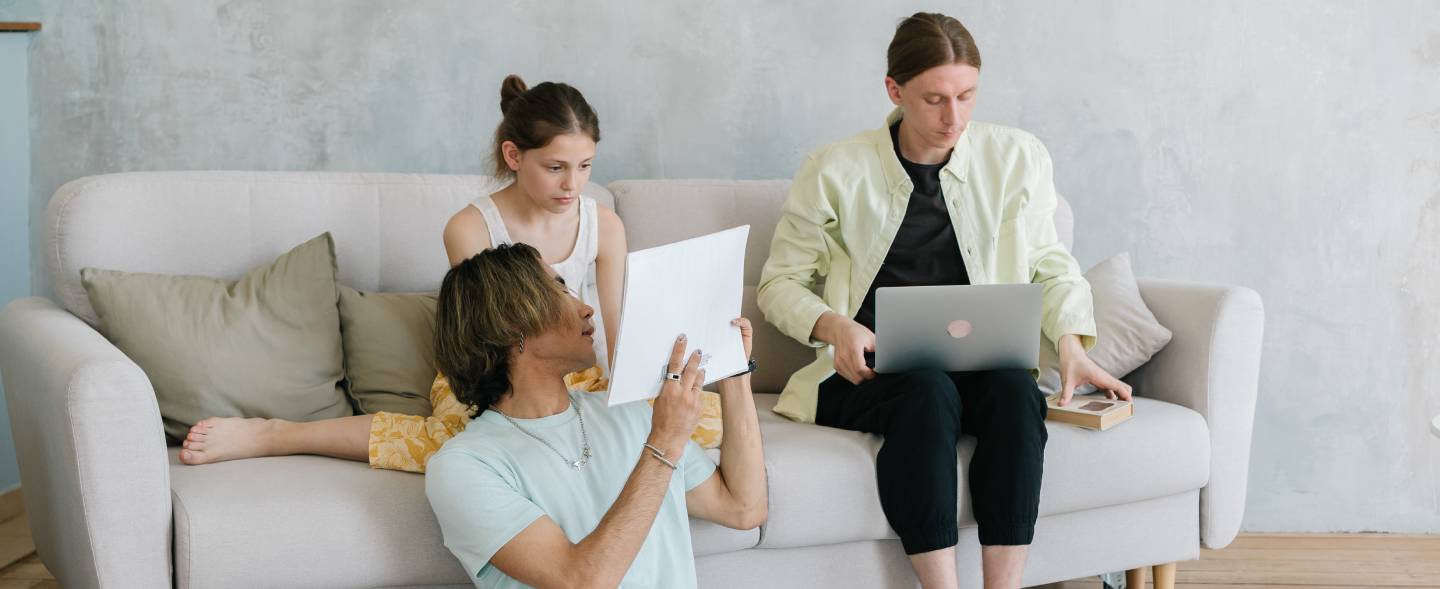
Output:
(491, 481)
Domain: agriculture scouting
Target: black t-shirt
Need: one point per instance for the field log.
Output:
(925, 251)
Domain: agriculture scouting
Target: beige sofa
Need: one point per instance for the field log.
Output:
(110, 506)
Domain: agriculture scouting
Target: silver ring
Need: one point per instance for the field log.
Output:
(672, 376)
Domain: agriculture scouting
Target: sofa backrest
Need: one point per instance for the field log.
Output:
(387, 227)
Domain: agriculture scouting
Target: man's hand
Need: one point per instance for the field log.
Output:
(1077, 370)
(677, 409)
(851, 341)
(747, 333)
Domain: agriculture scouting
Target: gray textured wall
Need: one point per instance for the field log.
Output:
(20, 10)
(1291, 146)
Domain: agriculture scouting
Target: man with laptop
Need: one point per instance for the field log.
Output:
(901, 221)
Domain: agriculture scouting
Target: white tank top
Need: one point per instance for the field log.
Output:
(578, 270)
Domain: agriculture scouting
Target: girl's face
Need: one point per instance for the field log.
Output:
(552, 176)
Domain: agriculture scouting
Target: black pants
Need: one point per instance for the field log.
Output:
(922, 415)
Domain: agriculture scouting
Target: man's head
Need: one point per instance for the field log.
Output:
(933, 72)
(504, 311)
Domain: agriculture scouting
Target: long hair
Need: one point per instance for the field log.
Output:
(488, 304)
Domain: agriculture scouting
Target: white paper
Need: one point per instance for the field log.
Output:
(691, 287)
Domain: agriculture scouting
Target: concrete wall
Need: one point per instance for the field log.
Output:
(14, 206)
(1292, 146)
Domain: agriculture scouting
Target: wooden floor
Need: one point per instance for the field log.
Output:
(23, 569)
(1309, 561)
(1254, 561)
(27, 574)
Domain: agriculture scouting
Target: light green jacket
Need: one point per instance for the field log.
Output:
(846, 205)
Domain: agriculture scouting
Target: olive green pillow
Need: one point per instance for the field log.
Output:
(389, 350)
(267, 345)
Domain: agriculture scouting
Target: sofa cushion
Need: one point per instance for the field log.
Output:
(1128, 333)
(822, 480)
(267, 345)
(389, 341)
(308, 521)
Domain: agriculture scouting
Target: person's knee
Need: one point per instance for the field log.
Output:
(930, 397)
(1012, 378)
(1016, 383)
(932, 388)
(1014, 392)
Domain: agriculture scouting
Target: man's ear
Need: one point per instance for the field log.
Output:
(892, 88)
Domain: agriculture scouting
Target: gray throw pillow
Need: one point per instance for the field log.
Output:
(267, 345)
(1128, 334)
(389, 350)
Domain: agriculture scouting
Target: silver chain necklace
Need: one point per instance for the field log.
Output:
(584, 438)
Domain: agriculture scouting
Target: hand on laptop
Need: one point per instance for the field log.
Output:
(1077, 370)
(851, 341)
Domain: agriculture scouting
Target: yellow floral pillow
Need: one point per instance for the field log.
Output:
(707, 432)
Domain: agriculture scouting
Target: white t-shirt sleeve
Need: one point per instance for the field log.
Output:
(478, 507)
(696, 464)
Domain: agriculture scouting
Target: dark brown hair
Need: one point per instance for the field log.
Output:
(488, 304)
(532, 117)
(925, 40)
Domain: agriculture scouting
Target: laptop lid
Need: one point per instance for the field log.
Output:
(957, 328)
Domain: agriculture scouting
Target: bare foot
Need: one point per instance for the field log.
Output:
(218, 439)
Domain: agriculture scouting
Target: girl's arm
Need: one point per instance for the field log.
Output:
(610, 274)
(466, 235)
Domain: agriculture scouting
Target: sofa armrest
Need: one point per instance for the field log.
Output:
(91, 448)
(1212, 366)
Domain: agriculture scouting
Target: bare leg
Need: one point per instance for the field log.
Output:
(1003, 565)
(936, 569)
(218, 439)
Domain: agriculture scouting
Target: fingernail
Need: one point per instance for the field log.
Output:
(682, 337)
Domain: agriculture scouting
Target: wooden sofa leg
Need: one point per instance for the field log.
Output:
(1164, 576)
(1135, 578)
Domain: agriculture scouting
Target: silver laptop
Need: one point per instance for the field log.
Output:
(957, 328)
